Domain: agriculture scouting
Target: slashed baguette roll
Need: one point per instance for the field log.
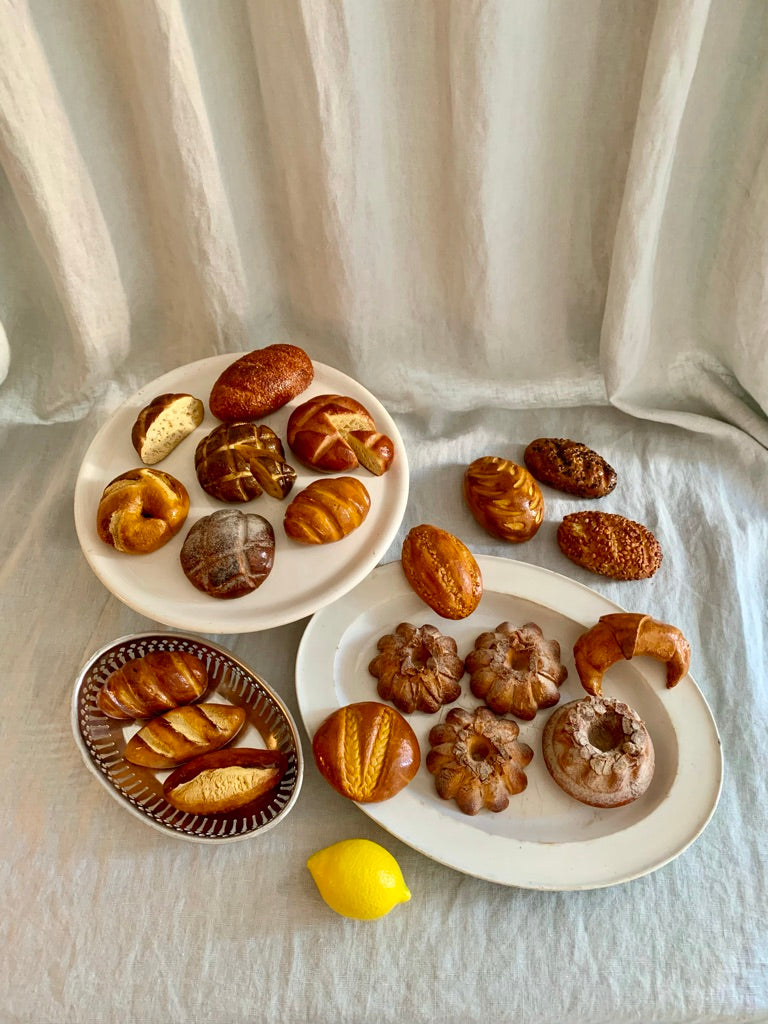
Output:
(184, 733)
(225, 780)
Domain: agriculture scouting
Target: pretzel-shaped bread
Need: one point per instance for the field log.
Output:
(141, 510)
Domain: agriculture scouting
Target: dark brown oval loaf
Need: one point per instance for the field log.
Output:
(260, 383)
(610, 545)
(237, 461)
(229, 553)
(569, 466)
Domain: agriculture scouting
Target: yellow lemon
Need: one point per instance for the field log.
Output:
(358, 878)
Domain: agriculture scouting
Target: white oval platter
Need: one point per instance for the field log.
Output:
(544, 839)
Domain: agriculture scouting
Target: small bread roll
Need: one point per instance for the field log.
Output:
(327, 510)
(163, 424)
(225, 780)
(184, 733)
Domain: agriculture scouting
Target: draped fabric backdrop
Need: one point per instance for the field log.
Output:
(509, 203)
(507, 219)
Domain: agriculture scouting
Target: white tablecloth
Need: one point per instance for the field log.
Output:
(105, 920)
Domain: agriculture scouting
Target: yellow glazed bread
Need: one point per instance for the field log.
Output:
(504, 498)
(184, 733)
(141, 510)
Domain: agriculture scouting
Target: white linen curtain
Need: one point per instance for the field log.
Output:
(461, 202)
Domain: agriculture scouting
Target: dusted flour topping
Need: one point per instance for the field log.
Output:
(516, 670)
(418, 668)
(599, 751)
(477, 759)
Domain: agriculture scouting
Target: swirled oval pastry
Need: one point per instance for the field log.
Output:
(327, 510)
(504, 498)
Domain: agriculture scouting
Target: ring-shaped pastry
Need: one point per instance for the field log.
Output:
(141, 510)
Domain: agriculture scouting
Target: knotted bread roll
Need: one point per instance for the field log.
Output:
(141, 510)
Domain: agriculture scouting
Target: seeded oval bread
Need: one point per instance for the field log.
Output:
(610, 545)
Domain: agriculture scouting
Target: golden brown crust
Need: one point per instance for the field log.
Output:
(154, 683)
(516, 670)
(610, 545)
(418, 668)
(569, 466)
(336, 434)
(184, 733)
(624, 635)
(504, 498)
(141, 510)
(260, 383)
(442, 571)
(477, 760)
(599, 751)
(327, 510)
(226, 780)
(237, 461)
(366, 751)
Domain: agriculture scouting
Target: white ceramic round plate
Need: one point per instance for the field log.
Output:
(544, 839)
(102, 740)
(304, 578)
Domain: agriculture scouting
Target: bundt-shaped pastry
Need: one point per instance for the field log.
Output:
(477, 759)
(599, 751)
(516, 670)
(418, 668)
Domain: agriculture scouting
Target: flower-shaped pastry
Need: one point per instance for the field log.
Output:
(477, 760)
(418, 668)
(516, 670)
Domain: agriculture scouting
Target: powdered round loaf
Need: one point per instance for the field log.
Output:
(229, 553)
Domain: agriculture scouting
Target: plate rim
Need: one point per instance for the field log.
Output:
(126, 804)
(214, 622)
(495, 570)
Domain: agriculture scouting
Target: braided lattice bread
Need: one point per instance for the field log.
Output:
(238, 461)
(141, 510)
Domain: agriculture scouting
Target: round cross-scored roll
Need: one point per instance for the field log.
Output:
(338, 434)
(229, 553)
(141, 510)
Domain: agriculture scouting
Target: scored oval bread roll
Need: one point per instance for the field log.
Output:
(184, 733)
(225, 780)
(260, 383)
(327, 510)
(163, 424)
(154, 683)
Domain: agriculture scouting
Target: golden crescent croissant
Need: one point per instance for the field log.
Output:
(624, 635)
